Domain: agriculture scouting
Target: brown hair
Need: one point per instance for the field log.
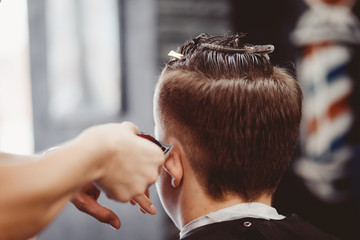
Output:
(236, 115)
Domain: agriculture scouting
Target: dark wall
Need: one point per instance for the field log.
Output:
(268, 22)
(181, 20)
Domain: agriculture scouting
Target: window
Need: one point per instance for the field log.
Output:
(75, 56)
(16, 132)
(83, 59)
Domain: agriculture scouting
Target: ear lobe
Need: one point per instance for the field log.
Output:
(173, 165)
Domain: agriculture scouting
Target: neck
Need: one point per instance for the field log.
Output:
(195, 203)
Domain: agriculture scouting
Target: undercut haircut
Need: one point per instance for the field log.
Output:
(236, 114)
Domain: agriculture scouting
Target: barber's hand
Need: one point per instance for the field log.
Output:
(128, 164)
(86, 201)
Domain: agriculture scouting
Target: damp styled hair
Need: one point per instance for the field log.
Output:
(236, 115)
(226, 56)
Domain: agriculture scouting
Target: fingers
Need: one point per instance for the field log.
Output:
(145, 203)
(87, 204)
(102, 213)
(147, 193)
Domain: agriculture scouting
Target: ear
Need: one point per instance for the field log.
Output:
(174, 163)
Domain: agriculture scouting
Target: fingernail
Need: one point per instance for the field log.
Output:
(153, 209)
(112, 226)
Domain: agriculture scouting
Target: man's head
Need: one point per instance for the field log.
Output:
(235, 116)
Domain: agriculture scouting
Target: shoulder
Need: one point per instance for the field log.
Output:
(291, 227)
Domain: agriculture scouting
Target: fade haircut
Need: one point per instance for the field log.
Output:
(236, 115)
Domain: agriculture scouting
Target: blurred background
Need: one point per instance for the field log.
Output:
(66, 65)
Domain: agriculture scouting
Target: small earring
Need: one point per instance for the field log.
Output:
(173, 182)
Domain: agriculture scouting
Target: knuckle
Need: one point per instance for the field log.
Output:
(160, 157)
(125, 122)
(110, 196)
(152, 177)
(138, 189)
(131, 126)
(123, 197)
(79, 202)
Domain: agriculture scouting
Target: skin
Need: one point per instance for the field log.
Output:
(181, 194)
(109, 158)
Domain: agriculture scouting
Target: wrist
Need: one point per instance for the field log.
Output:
(93, 152)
